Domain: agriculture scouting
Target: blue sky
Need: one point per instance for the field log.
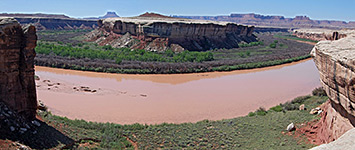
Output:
(315, 9)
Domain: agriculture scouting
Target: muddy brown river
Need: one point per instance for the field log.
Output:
(177, 98)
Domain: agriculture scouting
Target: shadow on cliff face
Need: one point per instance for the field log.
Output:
(342, 111)
(35, 134)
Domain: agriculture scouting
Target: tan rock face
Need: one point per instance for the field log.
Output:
(157, 34)
(17, 85)
(322, 34)
(335, 61)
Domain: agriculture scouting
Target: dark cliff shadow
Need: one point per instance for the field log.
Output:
(37, 137)
(342, 111)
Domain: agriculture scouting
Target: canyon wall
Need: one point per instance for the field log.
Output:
(17, 85)
(52, 21)
(335, 61)
(322, 34)
(159, 34)
(276, 21)
(44, 23)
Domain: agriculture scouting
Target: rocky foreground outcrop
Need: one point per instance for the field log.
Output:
(346, 141)
(335, 61)
(17, 85)
(159, 34)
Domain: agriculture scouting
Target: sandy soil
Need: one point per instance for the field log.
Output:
(177, 98)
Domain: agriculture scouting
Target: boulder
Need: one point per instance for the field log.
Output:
(302, 107)
(290, 127)
(315, 111)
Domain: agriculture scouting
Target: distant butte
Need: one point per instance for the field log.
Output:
(147, 14)
(109, 15)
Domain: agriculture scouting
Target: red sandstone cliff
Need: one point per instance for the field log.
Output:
(17, 85)
(159, 34)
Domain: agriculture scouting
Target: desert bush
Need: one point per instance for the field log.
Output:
(290, 106)
(277, 108)
(251, 114)
(261, 111)
(300, 99)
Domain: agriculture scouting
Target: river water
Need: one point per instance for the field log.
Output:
(177, 98)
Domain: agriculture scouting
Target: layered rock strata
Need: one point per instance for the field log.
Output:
(322, 34)
(44, 23)
(335, 61)
(159, 34)
(17, 85)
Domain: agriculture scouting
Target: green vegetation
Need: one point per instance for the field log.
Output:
(58, 32)
(251, 44)
(258, 130)
(272, 45)
(261, 111)
(277, 108)
(120, 54)
(259, 64)
(292, 37)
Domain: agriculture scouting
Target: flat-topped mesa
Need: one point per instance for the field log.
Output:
(159, 34)
(335, 61)
(17, 85)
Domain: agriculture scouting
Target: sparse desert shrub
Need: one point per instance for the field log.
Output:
(272, 45)
(300, 99)
(261, 111)
(319, 92)
(247, 53)
(290, 106)
(251, 114)
(277, 108)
